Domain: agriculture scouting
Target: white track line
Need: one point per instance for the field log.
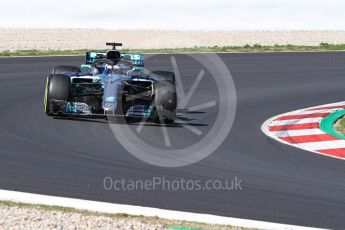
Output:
(302, 132)
(323, 145)
(296, 121)
(103, 207)
(313, 111)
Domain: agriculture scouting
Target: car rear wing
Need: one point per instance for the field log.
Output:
(136, 59)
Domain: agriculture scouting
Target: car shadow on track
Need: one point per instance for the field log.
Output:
(136, 122)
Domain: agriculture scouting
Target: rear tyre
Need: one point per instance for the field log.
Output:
(57, 88)
(166, 75)
(66, 69)
(165, 102)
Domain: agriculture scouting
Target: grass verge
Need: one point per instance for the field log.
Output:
(246, 48)
(339, 126)
(168, 224)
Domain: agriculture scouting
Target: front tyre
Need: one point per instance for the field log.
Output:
(57, 88)
(165, 102)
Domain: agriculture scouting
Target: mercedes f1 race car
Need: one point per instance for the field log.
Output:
(111, 84)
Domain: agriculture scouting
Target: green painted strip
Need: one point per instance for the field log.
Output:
(327, 123)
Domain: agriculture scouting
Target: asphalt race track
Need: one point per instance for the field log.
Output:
(282, 184)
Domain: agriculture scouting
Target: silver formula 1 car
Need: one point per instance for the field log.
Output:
(111, 84)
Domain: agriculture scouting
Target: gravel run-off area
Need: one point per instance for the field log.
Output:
(20, 216)
(12, 217)
(77, 39)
